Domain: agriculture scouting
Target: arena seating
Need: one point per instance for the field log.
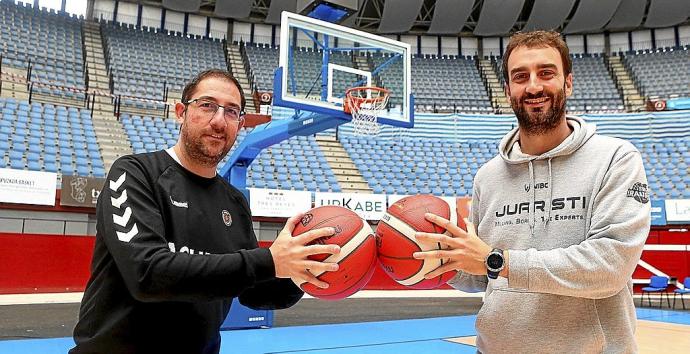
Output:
(448, 84)
(297, 163)
(450, 171)
(263, 61)
(666, 163)
(593, 86)
(144, 62)
(51, 42)
(48, 138)
(663, 72)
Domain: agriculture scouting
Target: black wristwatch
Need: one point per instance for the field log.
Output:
(494, 263)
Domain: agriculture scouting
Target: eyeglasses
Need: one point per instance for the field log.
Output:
(209, 109)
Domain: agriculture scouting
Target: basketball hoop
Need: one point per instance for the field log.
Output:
(365, 104)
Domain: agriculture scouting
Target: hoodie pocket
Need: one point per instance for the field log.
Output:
(522, 322)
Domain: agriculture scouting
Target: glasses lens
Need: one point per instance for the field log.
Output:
(207, 107)
(232, 113)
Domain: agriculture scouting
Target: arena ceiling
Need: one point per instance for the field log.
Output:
(465, 17)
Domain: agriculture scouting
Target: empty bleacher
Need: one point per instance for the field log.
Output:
(48, 138)
(263, 61)
(448, 84)
(414, 166)
(296, 164)
(662, 73)
(593, 86)
(144, 62)
(666, 162)
(50, 42)
(440, 155)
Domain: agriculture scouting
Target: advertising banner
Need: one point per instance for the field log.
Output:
(367, 206)
(27, 187)
(278, 203)
(678, 211)
(80, 191)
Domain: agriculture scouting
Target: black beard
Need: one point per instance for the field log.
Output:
(196, 150)
(539, 123)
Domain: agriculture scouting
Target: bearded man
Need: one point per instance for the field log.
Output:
(557, 224)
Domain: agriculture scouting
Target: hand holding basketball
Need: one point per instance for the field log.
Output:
(464, 251)
(290, 254)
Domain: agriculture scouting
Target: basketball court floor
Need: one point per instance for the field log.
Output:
(375, 325)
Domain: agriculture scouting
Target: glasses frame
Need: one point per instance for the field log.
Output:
(240, 115)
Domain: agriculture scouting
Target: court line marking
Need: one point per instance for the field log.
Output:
(366, 345)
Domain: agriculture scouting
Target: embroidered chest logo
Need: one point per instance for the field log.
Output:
(227, 218)
(640, 192)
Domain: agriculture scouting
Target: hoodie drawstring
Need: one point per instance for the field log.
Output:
(549, 201)
(532, 208)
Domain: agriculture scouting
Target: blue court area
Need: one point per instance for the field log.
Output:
(663, 316)
(395, 337)
(384, 337)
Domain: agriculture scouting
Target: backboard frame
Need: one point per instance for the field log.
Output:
(282, 99)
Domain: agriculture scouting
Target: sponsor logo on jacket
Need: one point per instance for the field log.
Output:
(640, 192)
(184, 249)
(572, 203)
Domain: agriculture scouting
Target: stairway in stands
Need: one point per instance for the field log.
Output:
(634, 102)
(348, 176)
(109, 131)
(13, 89)
(237, 65)
(494, 87)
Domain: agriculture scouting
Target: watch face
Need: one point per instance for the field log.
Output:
(494, 261)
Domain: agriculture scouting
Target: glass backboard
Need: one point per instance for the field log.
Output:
(320, 60)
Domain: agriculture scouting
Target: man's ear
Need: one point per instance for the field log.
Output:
(569, 85)
(179, 112)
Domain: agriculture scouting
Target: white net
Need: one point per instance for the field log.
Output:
(366, 103)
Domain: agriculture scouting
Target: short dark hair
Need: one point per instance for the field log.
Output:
(538, 39)
(216, 73)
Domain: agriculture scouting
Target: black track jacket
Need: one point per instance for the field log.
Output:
(172, 250)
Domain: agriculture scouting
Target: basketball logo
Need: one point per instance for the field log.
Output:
(265, 97)
(227, 218)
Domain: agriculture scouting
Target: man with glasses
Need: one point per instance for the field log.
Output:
(175, 244)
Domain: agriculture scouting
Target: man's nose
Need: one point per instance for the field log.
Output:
(218, 119)
(533, 85)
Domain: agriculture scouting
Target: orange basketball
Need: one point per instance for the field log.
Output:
(357, 257)
(396, 242)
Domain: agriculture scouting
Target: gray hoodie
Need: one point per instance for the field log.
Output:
(574, 221)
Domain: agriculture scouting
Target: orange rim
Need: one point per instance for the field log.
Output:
(358, 101)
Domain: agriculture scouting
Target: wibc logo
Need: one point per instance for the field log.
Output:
(536, 186)
(640, 192)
